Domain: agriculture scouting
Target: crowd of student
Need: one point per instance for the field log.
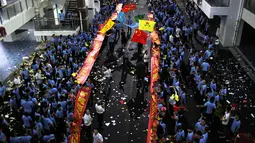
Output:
(177, 44)
(42, 94)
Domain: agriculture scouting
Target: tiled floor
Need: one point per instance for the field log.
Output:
(11, 53)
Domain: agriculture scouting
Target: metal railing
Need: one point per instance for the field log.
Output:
(13, 9)
(218, 3)
(51, 24)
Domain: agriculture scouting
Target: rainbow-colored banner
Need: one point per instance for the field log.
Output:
(80, 106)
(155, 66)
(96, 46)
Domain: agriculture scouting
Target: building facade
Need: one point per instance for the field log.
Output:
(237, 22)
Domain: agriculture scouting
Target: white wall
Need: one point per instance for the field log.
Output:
(57, 33)
(97, 5)
(248, 17)
(229, 23)
(20, 19)
(90, 3)
(211, 11)
(17, 21)
(29, 25)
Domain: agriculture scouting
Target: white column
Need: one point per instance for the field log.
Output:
(228, 23)
(240, 32)
(97, 6)
(91, 9)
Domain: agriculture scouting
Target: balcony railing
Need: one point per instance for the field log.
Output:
(51, 24)
(14, 9)
(218, 3)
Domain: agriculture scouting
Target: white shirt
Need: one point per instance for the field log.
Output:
(17, 81)
(97, 138)
(38, 77)
(87, 120)
(171, 38)
(99, 109)
(178, 30)
(226, 117)
(145, 58)
(217, 42)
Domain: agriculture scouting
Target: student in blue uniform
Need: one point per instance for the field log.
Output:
(62, 17)
(180, 135)
(236, 124)
(190, 134)
(205, 67)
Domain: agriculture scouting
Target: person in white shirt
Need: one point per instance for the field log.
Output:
(87, 122)
(171, 38)
(224, 121)
(38, 77)
(17, 80)
(177, 32)
(146, 58)
(100, 114)
(97, 137)
(217, 44)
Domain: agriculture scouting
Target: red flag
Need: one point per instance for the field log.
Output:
(129, 7)
(139, 37)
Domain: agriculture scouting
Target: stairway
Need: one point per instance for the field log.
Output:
(72, 7)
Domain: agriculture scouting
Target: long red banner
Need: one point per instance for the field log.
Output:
(155, 59)
(96, 46)
(80, 106)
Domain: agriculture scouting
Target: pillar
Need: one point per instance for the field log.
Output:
(240, 32)
(83, 11)
(91, 9)
(228, 23)
(97, 5)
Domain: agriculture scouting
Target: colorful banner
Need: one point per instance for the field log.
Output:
(155, 66)
(129, 7)
(134, 25)
(139, 37)
(107, 26)
(79, 109)
(121, 17)
(96, 46)
(155, 38)
(89, 62)
(139, 17)
(146, 25)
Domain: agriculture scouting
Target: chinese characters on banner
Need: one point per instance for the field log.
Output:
(96, 46)
(80, 106)
(107, 26)
(155, 59)
(89, 62)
